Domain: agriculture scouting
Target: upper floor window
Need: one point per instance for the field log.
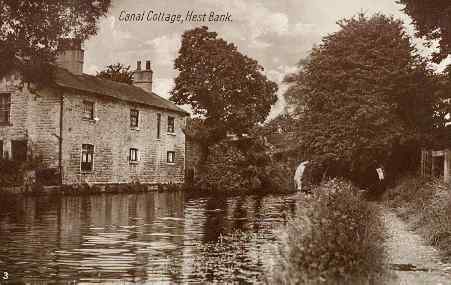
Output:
(87, 157)
(5, 107)
(171, 125)
(88, 110)
(158, 126)
(133, 157)
(134, 118)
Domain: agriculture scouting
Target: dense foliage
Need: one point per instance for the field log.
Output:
(367, 95)
(337, 238)
(244, 165)
(117, 72)
(432, 20)
(224, 86)
(30, 30)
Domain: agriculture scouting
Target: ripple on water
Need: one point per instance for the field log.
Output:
(154, 237)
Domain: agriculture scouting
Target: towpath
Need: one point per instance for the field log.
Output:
(410, 259)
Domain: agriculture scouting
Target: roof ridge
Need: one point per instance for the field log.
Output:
(119, 90)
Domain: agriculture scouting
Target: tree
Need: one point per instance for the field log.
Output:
(117, 72)
(30, 30)
(367, 95)
(432, 20)
(224, 86)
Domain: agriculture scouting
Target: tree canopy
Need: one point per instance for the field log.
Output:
(117, 72)
(224, 86)
(30, 29)
(367, 94)
(432, 20)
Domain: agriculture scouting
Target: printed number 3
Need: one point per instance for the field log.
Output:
(5, 275)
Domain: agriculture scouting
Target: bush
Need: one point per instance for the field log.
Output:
(243, 166)
(425, 203)
(338, 237)
(12, 172)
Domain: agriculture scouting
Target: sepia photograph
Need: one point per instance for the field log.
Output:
(225, 142)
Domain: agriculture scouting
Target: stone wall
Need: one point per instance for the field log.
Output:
(112, 137)
(35, 117)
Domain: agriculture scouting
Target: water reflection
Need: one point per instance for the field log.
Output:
(145, 237)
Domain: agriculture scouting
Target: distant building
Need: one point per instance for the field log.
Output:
(93, 130)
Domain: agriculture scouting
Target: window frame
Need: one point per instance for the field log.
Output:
(133, 117)
(136, 158)
(171, 127)
(90, 116)
(169, 154)
(7, 108)
(82, 170)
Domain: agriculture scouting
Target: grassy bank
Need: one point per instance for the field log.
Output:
(426, 205)
(337, 238)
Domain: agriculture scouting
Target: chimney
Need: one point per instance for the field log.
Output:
(70, 55)
(143, 78)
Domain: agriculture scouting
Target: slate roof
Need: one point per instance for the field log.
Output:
(118, 90)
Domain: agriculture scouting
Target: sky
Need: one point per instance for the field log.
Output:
(277, 33)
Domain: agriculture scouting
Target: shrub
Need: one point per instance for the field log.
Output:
(338, 237)
(242, 165)
(12, 172)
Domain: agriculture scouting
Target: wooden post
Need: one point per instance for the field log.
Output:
(446, 166)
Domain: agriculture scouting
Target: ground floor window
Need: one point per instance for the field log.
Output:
(87, 157)
(171, 157)
(19, 150)
(133, 157)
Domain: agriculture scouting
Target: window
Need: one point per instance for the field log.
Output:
(19, 150)
(88, 110)
(134, 116)
(87, 157)
(158, 126)
(5, 106)
(1, 149)
(171, 157)
(133, 157)
(171, 125)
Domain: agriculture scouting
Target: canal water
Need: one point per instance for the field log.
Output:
(158, 237)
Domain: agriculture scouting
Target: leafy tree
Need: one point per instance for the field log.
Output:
(367, 95)
(30, 30)
(432, 20)
(293, 95)
(117, 72)
(224, 86)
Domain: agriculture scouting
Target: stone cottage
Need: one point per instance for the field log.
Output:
(93, 130)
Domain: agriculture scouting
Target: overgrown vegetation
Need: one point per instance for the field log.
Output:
(369, 80)
(244, 165)
(12, 173)
(425, 203)
(336, 239)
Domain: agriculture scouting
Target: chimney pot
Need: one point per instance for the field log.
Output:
(143, 78)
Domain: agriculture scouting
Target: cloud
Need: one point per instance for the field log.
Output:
(165, 48)
(162, 86)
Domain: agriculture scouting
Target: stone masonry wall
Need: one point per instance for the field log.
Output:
(34, 117)
(113, 137)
